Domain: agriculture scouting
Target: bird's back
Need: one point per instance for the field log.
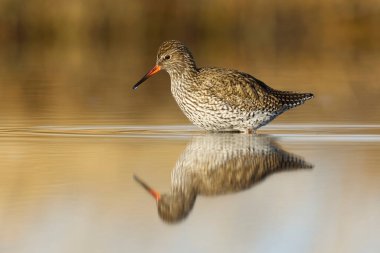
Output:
(239, 89)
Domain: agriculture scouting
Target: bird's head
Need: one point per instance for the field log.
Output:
(174, 57)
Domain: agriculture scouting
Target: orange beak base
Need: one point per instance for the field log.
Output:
(153, 71)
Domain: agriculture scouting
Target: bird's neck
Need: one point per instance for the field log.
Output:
(183, 72)
(182, 78)
(186, 197)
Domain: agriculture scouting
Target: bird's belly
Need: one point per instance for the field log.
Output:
(215, 115)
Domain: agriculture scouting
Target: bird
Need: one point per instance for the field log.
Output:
(217, 164)
(220, 99)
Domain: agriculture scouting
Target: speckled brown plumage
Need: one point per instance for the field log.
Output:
(218, 99)
(217, 164)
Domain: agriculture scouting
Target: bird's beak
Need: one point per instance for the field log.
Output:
(156, 195)
(151, 72)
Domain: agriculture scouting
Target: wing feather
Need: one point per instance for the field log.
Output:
(239, 90)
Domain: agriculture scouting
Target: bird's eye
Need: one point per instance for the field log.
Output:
(167, 57)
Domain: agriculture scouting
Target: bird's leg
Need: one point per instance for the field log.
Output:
(250, 131)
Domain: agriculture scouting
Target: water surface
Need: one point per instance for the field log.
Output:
(70, 188)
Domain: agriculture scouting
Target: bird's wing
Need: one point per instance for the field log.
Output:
(239, 89)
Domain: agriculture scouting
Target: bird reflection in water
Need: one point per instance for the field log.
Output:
(216, 164)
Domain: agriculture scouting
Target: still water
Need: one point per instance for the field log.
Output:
(292, 188)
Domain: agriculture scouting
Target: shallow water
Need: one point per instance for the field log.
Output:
(71, 189)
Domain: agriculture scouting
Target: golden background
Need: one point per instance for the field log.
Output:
(76, 61)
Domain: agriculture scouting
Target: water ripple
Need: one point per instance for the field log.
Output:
(299, 132)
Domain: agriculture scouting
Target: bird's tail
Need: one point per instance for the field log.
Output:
(292, 99)
(291, 161)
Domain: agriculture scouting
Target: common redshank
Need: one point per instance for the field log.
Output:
(217, 164)
(218, 99)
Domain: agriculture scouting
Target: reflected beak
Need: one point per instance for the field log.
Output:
(151, 72)
(156, 195)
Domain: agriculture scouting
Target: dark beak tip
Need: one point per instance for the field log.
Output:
(151, 72)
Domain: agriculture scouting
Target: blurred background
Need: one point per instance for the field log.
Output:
(76, 61)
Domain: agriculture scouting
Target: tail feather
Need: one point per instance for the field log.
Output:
(292, 99)
(292, 161)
